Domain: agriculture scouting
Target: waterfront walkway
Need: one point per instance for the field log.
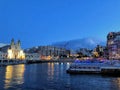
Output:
(11, 62)
(46, 61)
(14, 62)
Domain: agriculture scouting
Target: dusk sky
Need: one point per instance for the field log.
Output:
(42, 22)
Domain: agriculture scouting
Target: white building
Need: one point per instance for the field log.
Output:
(15, 51)
(32, 56)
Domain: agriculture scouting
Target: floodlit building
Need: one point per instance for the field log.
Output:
(15, 51)
(113, 45)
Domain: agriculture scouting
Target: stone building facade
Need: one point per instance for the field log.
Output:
(15, 51)
(49, 52)
(113, 45)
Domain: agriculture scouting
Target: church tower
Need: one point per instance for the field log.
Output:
(15, 52)
(12, 44)
(18, 45)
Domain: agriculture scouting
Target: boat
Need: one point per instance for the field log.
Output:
(95, 67)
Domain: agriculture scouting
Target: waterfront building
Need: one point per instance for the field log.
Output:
(49, 52)
(3, 56)
(32, 56)
(83, 53)
(15, 51)
(113, 45)
(99, 50)
(105, 53)
(86, 52)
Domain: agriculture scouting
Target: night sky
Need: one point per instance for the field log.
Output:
(42, 22)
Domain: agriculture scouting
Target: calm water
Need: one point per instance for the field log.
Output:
(52, 76)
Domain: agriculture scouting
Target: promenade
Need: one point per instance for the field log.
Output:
(49, 61)
(15, 62)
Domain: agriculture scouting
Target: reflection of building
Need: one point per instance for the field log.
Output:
(15, 51)
(113, 45)
(14, 74)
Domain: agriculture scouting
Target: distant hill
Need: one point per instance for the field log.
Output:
(2, 44)
(89, 43)
(4, 47)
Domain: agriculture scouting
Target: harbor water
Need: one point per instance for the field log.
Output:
(52, 76)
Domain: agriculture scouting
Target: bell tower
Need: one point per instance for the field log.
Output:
(12, 44)
(19, 45)
(15, 52)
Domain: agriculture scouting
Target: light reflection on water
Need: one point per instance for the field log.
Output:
(46, 76)
(14, 75)
(116, 81)
(51, 70)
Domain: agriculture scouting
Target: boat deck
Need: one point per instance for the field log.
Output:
(94, 68)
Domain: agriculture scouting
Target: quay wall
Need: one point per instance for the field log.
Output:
(14, 62)
(50, 61)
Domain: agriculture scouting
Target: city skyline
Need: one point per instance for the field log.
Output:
(44, 22)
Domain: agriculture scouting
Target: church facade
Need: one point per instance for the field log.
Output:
(15, 51)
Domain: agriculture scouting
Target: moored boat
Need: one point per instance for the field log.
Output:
(91, 67)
